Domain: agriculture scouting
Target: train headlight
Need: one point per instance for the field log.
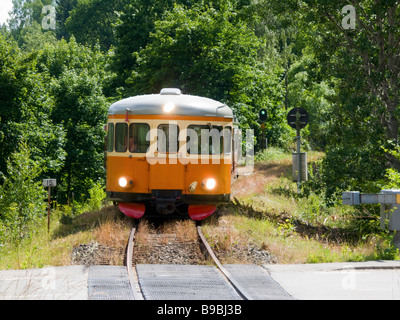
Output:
(210, 184)
(123, 182)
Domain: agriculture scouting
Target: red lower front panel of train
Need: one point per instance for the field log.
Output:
(196, 212)
(167, 204)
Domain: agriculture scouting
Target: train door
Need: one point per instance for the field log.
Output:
(167, 173)
(137, 146)
(236, 146)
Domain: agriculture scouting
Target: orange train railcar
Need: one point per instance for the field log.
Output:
(170, 154)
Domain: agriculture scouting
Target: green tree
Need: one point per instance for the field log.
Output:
(349, 77)
(200, 50)
(21, 196)
(63, 11)
(25, 108)
(26, 13)
(10, 57)
(94, 21)
(137, 22)
(361, 48)
(209, 52)
(313, 95)
(80, 107)
(33, 37)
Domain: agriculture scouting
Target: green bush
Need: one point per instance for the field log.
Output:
(97, 196)
(22, 197)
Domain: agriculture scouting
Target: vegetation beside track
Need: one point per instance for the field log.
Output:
(56, 86)
(269, 214)
(266, 220)
(106, 226)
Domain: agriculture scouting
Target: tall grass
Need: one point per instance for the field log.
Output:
(271, 154)
(295, 228)
(106, 226)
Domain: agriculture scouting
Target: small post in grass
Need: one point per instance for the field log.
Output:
(49, 183)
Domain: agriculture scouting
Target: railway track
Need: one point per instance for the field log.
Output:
(128, 263)
(242, 293)
(225, 274)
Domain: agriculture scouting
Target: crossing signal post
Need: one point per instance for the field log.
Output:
(262, 116)
(297, 118)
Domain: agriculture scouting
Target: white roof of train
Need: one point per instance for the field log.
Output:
(171, 101)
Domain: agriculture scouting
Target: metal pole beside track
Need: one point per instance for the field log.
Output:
(48, 210)
(298, 151)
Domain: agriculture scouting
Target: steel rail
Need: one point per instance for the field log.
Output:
(238, 288)
(128, 263)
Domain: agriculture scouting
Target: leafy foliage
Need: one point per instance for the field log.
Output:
(56, 85)
(358, 65)
(94, 22)
(21, 196)
(80, 107)
(25, 108)
(210, 52)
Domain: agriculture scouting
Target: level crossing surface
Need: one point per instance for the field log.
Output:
(377, 280)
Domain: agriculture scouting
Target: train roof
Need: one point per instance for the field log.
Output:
(171, 101)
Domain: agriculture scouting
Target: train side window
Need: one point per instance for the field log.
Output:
(167, 138)
(121, 137)
(110, 137)
(137, 137)
(227, 140)
(204, 139)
